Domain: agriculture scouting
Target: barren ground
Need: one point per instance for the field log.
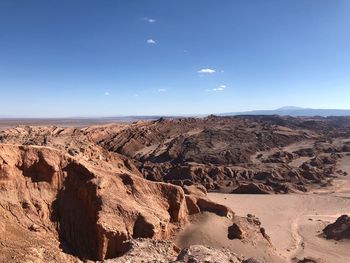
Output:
(295, 221)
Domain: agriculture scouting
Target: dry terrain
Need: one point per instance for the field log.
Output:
(295, 221)
(135, 192)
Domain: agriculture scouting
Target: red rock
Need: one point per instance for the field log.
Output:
(95, 210)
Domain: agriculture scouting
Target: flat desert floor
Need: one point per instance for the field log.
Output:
(295, 221)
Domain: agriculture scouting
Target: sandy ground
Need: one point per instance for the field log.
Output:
(211, 230)
(295, 221)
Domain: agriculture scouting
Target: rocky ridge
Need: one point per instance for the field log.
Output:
(71, 210)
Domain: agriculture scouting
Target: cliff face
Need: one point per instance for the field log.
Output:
(58, 201)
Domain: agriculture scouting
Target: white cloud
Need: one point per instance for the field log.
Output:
(162, 90)
(149, 20)
(107, 93)
(220, 88)
(150, 41)
(206, 71)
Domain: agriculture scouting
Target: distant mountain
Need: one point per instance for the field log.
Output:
(293, 111)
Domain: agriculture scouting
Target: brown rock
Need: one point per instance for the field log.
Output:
(235, 232)
(312, 260)
(205, 254)
(95, 210)
(206, 205)
(147, 251)
(196, 189)
(252, 188)
(340, 229)
(191, 202)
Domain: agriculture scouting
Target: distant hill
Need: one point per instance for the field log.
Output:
(293, 111)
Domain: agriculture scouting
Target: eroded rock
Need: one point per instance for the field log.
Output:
(92, 210)
(338, 230)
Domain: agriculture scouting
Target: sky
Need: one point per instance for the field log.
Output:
(81, 58)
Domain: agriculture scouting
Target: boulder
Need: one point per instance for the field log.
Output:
(340, 229)
(235, 232)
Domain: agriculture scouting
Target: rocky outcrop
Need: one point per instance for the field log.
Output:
(312, 260)
(206, 254)
(221, 153)
(150, 251)
(197, 190)
(338, 230)
(197, 201)
(146, 250)
(305, 152)
(199, 253)
(87, 211)
(91, 211)
(253, 188)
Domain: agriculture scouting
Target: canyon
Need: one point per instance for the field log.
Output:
(131, 191)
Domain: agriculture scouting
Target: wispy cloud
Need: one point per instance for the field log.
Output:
(107, 93)
(162, 90)
(206, 71)
(220, 88)
(149, 20)
(151, 41)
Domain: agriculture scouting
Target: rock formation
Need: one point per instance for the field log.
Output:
(72, 194)
(147, 251)
(221, 153)
(73, 209)
(338, 230)
(91, 211)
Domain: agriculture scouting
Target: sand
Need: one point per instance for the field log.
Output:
(294, 223)
(211, 230)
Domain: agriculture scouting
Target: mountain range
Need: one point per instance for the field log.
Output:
(293, 111)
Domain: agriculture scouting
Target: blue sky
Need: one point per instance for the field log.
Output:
(104, 58)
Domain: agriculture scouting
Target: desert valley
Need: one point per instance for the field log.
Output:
(213, 189)
(174, 131)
